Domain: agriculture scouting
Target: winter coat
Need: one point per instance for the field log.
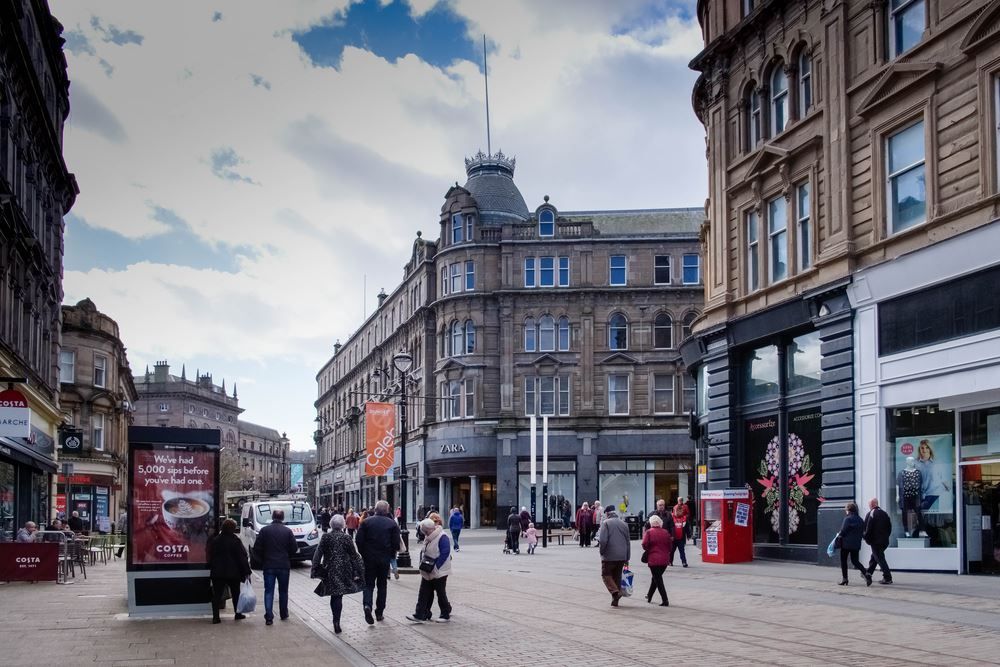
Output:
(275, 545)
(850, 532)
(437, 545)
(658, 544)
(878, 528)
(514, 524)
(584, 520)
(227, 557)
(532, 534)
(613, 539)
(338, 563)
(525, 519)
(456, 521)
(378, 539)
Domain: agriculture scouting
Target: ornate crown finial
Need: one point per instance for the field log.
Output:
(485, 162)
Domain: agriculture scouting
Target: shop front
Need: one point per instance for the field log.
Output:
(928, 402)
(635, 485)
(26, 468)
(461, 471)
(90, 495)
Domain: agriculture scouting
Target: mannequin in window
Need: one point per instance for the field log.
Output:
(909, 494)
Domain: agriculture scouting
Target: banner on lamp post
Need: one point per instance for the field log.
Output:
(380, 436)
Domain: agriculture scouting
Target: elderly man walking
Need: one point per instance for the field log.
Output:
(616, 549)
(878, 529)
(378, 543)
(274, 547)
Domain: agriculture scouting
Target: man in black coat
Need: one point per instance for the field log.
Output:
(878, 529)
(378, 543)
(274, 547)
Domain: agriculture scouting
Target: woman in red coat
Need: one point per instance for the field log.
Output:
(657, 545)
(584, 522)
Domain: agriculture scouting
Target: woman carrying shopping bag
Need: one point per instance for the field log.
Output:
(339, 567)
(228, 565)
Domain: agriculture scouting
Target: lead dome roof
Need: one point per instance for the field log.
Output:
(491, 184)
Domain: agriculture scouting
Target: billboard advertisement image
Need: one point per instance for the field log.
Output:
(380, 436)
(297, 481)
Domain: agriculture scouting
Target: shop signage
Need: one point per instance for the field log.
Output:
(380, 436)
(742, 514)
(726, 494)
(702, 474)
(71, 441)
(29, 562)
(712, 543)
(453, 448)
(15, 415)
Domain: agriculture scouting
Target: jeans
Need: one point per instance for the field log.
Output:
(425, 598)
(376, 574)
(878, 558)
(455, 532)
(270, 576)
(678, 546)
(853, 553)
(657, 583)
(219, 587)
(336, 606)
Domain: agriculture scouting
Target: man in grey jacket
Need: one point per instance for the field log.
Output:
(616, 548)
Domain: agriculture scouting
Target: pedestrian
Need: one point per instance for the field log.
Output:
(274, 547)
(514, 531)
(437, 550)
(584, 522)
(616, 548)
(667, 516)
(351, 521)
(75, 522)
(532, 536)
(598, 516)
(850, 543)
(525, 518)
(27, 534)
(679, 534)
(455, 523)
(657, 549)
(338, 566)
(324, 519)
(878, 529)
(378, 542)
(228, 565)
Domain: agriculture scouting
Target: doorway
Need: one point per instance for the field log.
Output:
(980, 478)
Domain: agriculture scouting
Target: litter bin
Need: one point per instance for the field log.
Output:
(634, 527)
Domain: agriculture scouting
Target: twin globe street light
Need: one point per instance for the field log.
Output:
(402, 362)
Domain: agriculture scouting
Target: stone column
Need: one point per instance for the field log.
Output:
(442, 490)
(473, 501)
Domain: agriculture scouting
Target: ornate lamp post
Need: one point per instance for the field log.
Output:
(402, 362)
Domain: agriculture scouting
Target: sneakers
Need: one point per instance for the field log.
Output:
(369, 619)
(396, 574)
(442, 619)
(416, 619)
(885, 581)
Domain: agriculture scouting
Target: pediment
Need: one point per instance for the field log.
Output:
(985, 29)
(896, 79)
(767, 156)
(451, 362)
(545, 359)
(618, 358)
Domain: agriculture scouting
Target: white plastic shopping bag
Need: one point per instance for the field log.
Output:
(626, 583)
(248, 599)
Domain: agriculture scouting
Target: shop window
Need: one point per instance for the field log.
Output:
(947, 311)
(920, 486)
(562, 490)
(633, 486)
(803, 359)
(8, 497)
(906, 185)
(760, 374)
(907, 21)
(663, 327)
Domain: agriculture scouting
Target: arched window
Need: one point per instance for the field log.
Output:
(663, 332)
(546, 223)
(805, 83)
(754, 128)
(529, 335)
(456, 338)
(470, 337)
(546, 334)
(686, 325)
(779, 99)
(563, 334)
(618, 332)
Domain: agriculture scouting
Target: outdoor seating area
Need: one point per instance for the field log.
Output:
(77, 552)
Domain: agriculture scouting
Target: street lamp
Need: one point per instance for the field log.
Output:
(402, 361)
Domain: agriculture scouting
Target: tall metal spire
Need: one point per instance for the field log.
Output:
(486, 80)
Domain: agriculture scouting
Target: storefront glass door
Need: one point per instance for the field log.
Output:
(980, 470)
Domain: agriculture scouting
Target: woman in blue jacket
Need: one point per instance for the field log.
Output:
(851, 532)
(455, 523)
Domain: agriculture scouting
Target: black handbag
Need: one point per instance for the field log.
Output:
(427, 564)
(645, 557)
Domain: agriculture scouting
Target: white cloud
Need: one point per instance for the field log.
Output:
(346, 165)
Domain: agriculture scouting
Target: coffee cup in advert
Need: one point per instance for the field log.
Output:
(184, 511)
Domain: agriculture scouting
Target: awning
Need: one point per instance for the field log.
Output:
(25, 454)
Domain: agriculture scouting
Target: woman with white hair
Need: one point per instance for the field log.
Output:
(435, 566)
(338, 565)
(656, 547)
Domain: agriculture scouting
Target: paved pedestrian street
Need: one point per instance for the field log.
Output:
(545, 609)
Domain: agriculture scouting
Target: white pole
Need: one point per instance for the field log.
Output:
(545, 449)
(534, 449)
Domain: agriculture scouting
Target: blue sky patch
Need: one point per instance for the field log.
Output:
(94, 248)
(649, 14)
(439, 37)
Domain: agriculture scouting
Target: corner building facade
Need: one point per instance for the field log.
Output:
(513, 313)
(853, 161)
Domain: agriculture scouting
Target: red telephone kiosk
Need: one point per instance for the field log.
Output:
(726, 526)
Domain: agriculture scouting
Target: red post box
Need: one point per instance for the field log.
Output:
(726, 526)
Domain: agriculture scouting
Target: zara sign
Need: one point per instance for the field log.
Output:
(453, 448)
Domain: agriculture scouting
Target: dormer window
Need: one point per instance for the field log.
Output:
(457, 229)
(546, 223)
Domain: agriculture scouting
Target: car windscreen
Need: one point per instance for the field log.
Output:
(296, 514)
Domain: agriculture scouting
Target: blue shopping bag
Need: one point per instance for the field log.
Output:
(626, 583)
(832, 548)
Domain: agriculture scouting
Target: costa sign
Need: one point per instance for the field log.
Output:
(380, 436)
(15, 415)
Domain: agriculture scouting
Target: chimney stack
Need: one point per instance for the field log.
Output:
(161, 371)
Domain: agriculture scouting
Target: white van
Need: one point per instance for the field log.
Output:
(298, 516)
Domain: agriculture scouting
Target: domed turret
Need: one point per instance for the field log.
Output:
(491, 183)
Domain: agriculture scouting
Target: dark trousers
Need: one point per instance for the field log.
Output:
(425, 598)
(270, 577)
(336, 606)
(219, 587)
(455, 532)
(678, 546)
(514, 540)
(878, 558)
(376, 575)
(585, 537)
(853, 553)
(611, 574)
(657, 583)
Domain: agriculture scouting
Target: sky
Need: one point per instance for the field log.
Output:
(252, 173)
